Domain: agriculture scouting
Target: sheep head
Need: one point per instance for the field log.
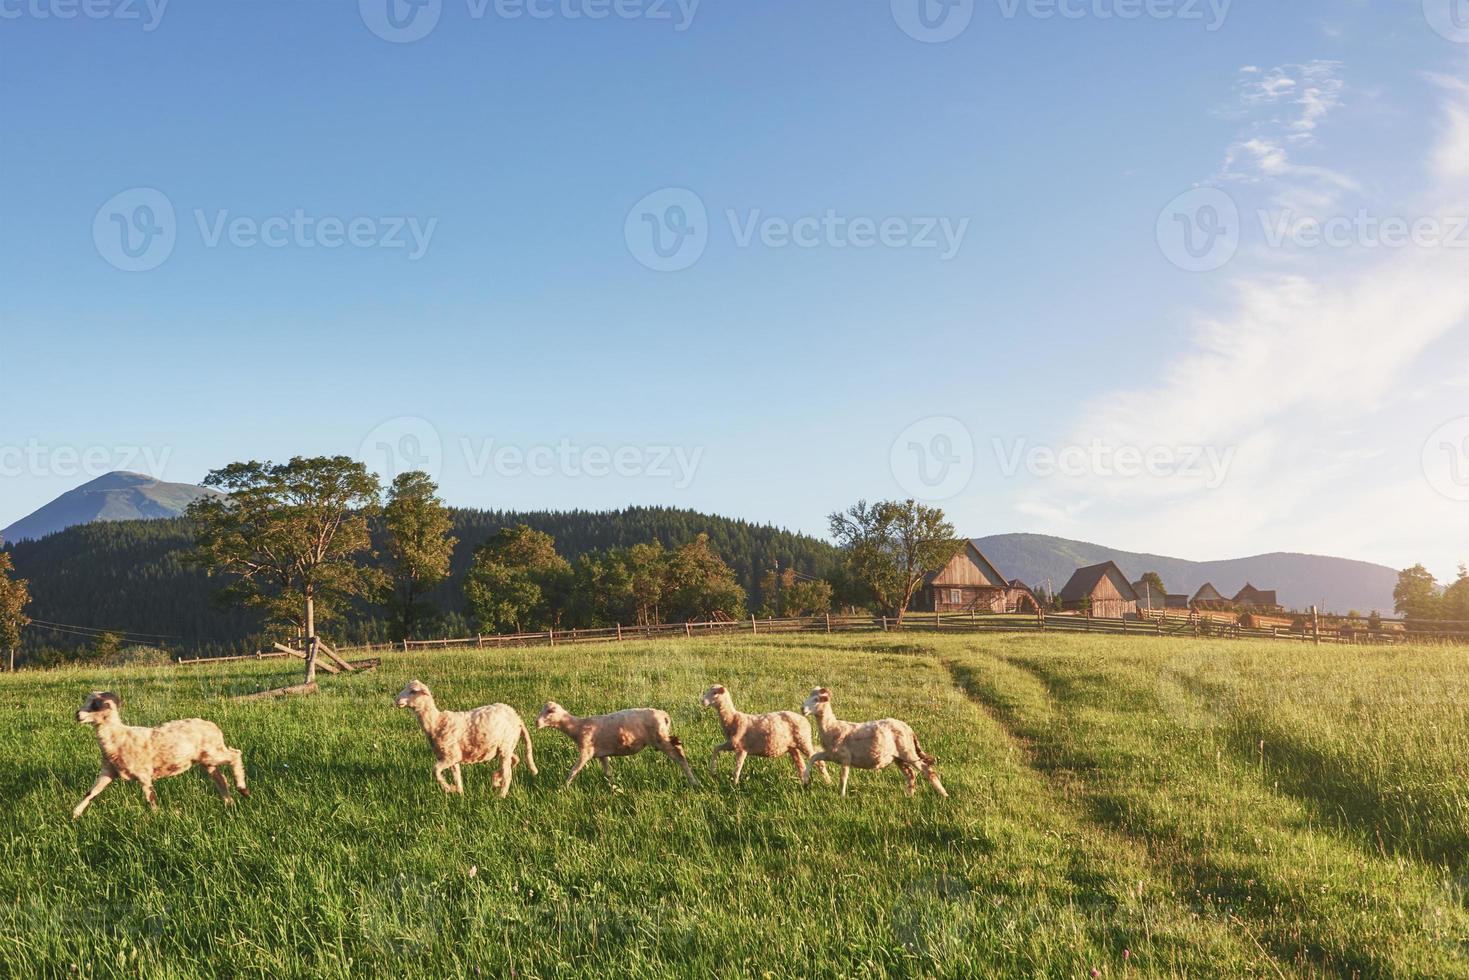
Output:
(414, 695)
(551, 715)
(98, 707)
(713, 696)
(813, 703)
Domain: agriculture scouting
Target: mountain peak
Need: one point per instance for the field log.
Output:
(116, 496)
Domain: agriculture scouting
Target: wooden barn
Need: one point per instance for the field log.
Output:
(1208, 599)
(1253, 600)
(1102, 590)
(971, 583)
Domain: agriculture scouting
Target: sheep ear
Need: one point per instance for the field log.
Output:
(109, 696)
(719, 689)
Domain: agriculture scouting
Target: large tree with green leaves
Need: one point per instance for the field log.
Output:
(891, 545)
(418, 549)
(518, 582)
(699, 586)
(1416, 596)
(14, 597)
(789, 594)
(297, 529)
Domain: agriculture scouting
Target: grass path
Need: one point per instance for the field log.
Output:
(1106, 816)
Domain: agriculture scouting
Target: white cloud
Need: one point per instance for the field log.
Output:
(1311, 376)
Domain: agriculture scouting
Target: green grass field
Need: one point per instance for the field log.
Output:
(1119, 806)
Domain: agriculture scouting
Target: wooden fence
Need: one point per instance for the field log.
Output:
(913, 622)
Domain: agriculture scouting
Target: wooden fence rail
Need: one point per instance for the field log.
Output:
(914, 622)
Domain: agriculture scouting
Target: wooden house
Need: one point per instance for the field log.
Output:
(1253, 600)
(1208, 599)
(1101, 590)
(971, 583)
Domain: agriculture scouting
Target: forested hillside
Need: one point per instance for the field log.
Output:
(129, 576)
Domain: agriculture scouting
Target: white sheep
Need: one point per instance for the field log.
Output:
(769, 735)
(464, 737)
(145, 754)
(869, 745)
(603, 737)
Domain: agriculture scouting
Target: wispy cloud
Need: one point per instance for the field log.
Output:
(1297, 371)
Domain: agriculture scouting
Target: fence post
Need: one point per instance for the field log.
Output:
(687, 629)
(884, 624)
(1316, 624)
(828, 622)
(551, 632)
(405, 644)
(754, 628)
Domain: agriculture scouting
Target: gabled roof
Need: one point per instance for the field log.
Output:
(1084, 582)
(1251, 596)
(971, 550)
(1207, 593)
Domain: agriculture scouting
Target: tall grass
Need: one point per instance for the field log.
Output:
(1112, 810)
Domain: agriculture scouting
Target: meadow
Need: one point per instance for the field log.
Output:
(1120, 806)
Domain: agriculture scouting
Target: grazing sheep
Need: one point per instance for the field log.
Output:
(464, 737)
(870, 745)
(145, 754)
(622, 733)
(768, 736)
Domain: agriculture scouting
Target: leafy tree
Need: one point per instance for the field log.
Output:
(1156, 581)
(297, 529)
(14, 597)
(518, 582)
(1416, 596)
(791, 595)
(699, 585)
(105, 648)
(418, 549)
(1374, 622)
(890, 546)
(1454, 603)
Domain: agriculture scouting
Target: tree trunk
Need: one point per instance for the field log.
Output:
(12, 660)
(310, 637)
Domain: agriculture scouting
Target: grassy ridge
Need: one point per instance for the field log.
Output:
(1111, 811)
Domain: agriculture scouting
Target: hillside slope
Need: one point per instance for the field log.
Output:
(115, 497)
(1340, 584)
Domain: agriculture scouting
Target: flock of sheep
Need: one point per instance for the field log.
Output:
(493, 732)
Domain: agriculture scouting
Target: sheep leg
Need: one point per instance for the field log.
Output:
(673, 748)
(581, 762)
(932, 775)
(458, 780)
(607, 770)
(800, 762)
(148, 793)
(910, 777)
(740, 756)
(824, 774)
(846, 774)
(819, 759)
(221, 783)
(507, 767)
(237, 766)
(439, 768)
(103, 781)
(714, 757)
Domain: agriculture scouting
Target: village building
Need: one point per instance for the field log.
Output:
(1253, 600)
(971, 583)
(1100, 590)
(1208, 599)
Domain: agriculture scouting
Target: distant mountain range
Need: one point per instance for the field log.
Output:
(1340, 584)
(115, 497)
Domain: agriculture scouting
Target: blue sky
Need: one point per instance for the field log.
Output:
(988, 270)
